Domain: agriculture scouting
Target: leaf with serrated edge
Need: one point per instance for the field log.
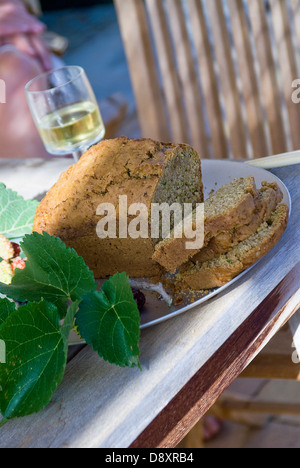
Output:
(16, 214)
(53, 271)
(109, 320)
(35, 359)
(6, 308)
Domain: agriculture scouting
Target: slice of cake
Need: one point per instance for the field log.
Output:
(268, 198)
(140, 171)
(231, 207)
(220, 270)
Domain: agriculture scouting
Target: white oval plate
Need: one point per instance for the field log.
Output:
(215, 174)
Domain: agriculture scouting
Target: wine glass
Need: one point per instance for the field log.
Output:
(65, 111)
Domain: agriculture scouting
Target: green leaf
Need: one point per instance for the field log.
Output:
(109, 321)
(35, 359)
(69, 323)
(53, 272)
(16, 214)
(6, 308)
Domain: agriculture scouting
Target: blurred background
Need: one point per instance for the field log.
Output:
(94, 42)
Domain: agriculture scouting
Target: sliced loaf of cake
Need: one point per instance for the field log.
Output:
(144, 170)
(220, 270)
(231, 207)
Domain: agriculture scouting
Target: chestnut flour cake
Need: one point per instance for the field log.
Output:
(268, 198)
(218, 271)
(233, 205)
(146, 172)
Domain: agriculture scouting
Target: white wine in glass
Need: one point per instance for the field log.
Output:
(65, 111)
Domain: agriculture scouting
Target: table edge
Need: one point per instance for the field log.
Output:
(204, 388)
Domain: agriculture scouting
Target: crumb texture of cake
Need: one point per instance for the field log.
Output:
(219, 271)
(144, 170)
(231, 207)
(268, 198)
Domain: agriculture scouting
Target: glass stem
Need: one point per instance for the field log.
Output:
(77, 155)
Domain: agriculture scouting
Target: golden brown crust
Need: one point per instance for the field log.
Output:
(91, 181)
(107, 170)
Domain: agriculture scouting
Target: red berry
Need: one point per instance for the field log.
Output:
(17, 249)
(139, 298)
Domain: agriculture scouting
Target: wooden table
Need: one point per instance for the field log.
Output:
(187, 362)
